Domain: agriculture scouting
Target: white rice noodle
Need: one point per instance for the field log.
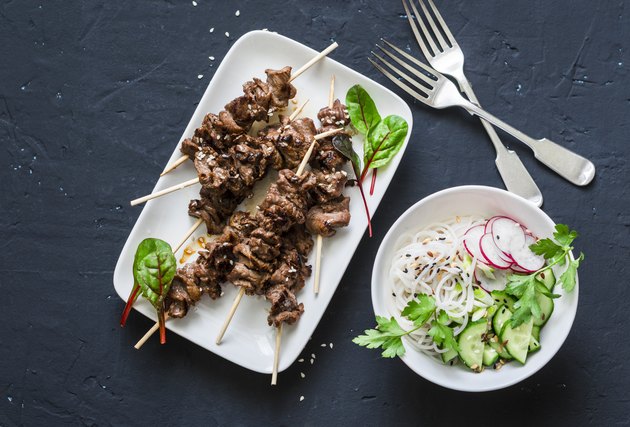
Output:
(430, 261)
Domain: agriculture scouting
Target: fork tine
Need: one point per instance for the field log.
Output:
(425, 31)
(434, 27)
(416, 32)
(411, 58)
(422, 88)
(448, 33)
(400, 84)
(408, 67)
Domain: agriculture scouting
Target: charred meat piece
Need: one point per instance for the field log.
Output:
(329, 186)
(281, 89)
(189, 284)
(259, 92)
(300, 239)
(292, 270)
(327, 157)
(284, 306)
(286, 201)
(334, 117)
(214, 210)
(324, 219)
(245, 111)
(213, 169)
(252, 280)
(291, 138)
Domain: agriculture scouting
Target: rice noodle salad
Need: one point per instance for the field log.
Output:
(473, 289)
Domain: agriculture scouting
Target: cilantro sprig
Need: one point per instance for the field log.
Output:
(388, 333)
(527, 287)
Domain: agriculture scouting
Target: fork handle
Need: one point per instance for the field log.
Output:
(569, 165)
(513, 173)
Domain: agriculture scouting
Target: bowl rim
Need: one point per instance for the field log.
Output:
(377, 304)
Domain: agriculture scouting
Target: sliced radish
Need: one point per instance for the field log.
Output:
(489, 284)
(471, 242)
(508, 235)
(492, 253)
(525, 259)
(488, 228)
(515, 268)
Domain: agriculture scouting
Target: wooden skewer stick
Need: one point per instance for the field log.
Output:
(150, 332)
(174, 165)
(320, 241)
(319, 56)
(295, 75)
(185, 157)
(165, 191)
(228, 319)
(276, 356)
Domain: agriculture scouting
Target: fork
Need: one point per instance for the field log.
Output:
(439, 92)
(449, 60)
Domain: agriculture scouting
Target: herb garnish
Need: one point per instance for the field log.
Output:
(388, 333)
(154, 268)
(527, 287)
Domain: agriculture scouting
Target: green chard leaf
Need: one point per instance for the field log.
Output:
(420, 309)
(568, 277)
(154, 267)
(343, 144)
(362, 110)
(387, 335)
(383, 141)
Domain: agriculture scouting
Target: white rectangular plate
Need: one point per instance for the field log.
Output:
(249, 341)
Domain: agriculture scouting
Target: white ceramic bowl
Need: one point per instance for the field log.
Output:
(486, 201)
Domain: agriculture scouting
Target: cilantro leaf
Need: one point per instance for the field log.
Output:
(547, 248)
(527, 306)
(442, 334)
(564, 236)
(518, 284)
(568, 277)
(420, 309)
(387, 335)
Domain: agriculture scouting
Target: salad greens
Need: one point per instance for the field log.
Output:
(154, 267)
(528, 288)
(362, 109)
(383, 136)
(504, 325)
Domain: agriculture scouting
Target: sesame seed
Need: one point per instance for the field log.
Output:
(194, 3)
(212, 30)
(323, 345)
(313, 355)
(227, 34)
(211, 58)
(302, 375)
(237, 13)
(331, 345)
(312, 361)
(301, 398)
(200, 76)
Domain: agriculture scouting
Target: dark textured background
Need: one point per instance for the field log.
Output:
(93, 97)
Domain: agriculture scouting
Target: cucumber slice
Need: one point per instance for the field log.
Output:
(502, 298)
(470, 345)
(548, 278)
(546, 308)
(502, 315)
(536, 332)
(534, 344)
(496, 345)
(449, 355)
(517, 339)
(490, 355)
(534, 341)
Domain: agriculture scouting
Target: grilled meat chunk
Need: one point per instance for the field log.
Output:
(284, 306)
(252, 280)
(329, 186)
(324, 219)
(286, 201)
(334, 117)
(214, 210)
(281, 89)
